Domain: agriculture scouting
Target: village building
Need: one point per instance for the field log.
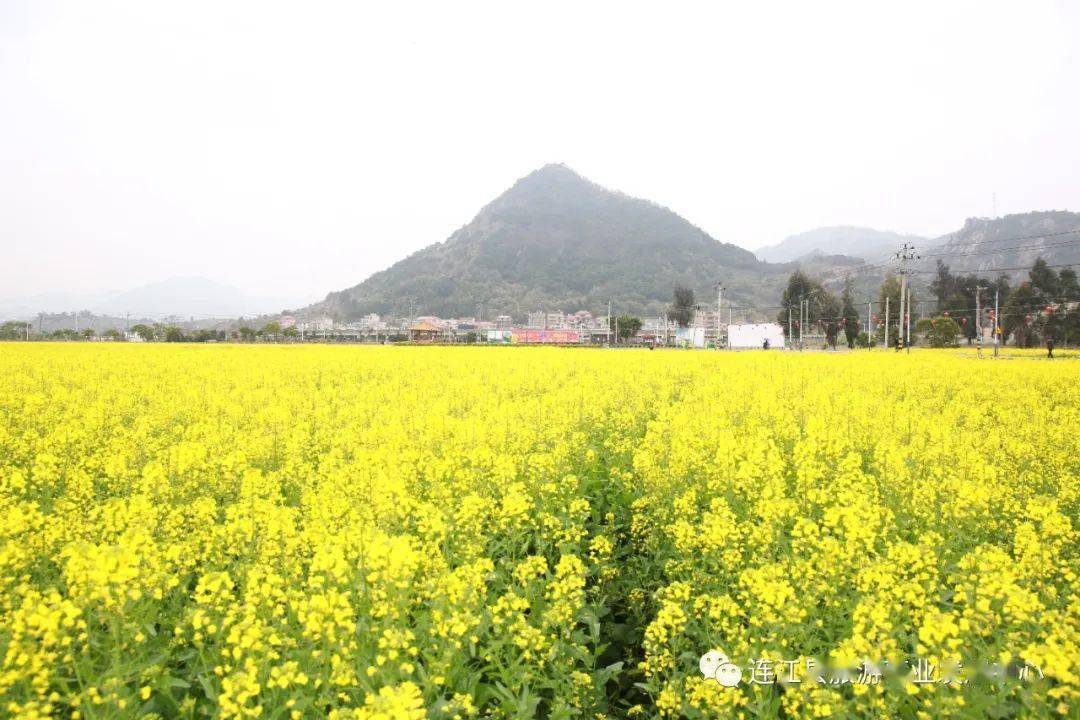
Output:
(424, 331)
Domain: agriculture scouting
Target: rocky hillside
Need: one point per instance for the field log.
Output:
(993, 246)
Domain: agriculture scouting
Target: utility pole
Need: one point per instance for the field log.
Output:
(806, 320)
(608, 328)
(978, 320)
(802, 322)
(868, 317)
(904, 254)
(719, 306)
(798, 322)
(903, 287)
(886, 322)
(907, 320)
(791, 338)
(804, 315)
(1064, 325)
(997, 327)
(801, 300)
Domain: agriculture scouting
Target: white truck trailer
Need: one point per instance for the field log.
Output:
(754, 335)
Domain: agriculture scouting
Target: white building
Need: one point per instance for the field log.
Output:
(690, 336)
(652, 325)
(372, 323)
(317, 325)
(754, 335)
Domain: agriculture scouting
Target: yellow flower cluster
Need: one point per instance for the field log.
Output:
(402, 533)
(302, 532)
(866, 507)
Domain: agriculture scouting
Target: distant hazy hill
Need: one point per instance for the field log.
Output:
(558, 241)
(858, 242)
(1012, 241)
(59, 301)
(183, 297)
(189, 297)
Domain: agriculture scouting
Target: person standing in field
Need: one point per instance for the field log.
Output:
(765, 345)
(1050, 348)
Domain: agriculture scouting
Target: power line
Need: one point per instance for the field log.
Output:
(849, 274)
(1061, 300)
(996, 250)
(1005, 269)
(1040, 236)
(890, 259)
(952, 311)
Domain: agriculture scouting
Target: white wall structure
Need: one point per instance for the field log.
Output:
(692, 336)
(753, 335)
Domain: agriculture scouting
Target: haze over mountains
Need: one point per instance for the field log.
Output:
(185, 297)
(558, 241)
(858, 242)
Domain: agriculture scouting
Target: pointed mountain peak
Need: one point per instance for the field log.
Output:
(552, 175)
(554, 182)
(556, 240)
(556, 170)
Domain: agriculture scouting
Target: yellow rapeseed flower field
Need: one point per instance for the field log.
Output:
(404, 533)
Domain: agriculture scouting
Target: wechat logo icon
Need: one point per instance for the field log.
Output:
(716, 665)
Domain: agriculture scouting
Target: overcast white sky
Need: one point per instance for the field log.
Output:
(292, 149)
